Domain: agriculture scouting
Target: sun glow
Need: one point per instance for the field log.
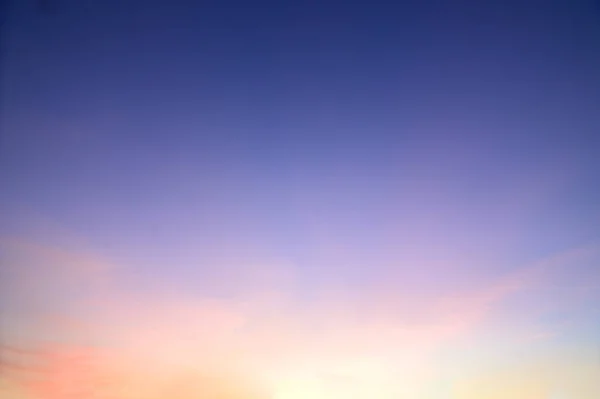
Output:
(357, 378)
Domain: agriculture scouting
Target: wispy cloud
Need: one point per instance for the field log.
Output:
(267, 339)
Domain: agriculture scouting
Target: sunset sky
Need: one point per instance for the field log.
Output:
(306, 199)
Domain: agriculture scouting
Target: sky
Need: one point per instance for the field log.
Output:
(305, 200)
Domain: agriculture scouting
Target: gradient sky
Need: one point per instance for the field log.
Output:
(321, 176)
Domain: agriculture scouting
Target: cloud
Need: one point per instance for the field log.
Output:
(161, 330)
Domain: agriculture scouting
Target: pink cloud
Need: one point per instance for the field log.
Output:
(246, 334)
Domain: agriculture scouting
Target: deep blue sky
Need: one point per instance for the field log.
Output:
(342, 136)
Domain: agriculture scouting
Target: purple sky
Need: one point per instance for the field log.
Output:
(354, 150)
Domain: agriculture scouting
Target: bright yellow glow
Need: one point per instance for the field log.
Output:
(345, 378)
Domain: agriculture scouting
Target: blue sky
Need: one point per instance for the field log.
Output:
(333, 153)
